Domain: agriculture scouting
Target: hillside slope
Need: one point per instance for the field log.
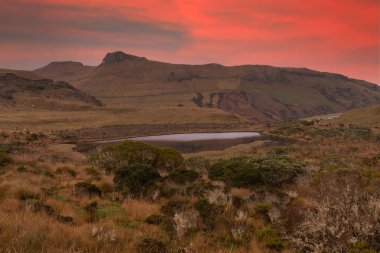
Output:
(258, 93)
(22, 90)
(369, 116)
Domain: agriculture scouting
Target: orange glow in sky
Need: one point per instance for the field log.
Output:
(328, 35)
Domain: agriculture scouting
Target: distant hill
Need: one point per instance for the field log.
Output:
(369, 116)
(258, 93)
(23, 90)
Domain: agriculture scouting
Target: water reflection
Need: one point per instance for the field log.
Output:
(196, 142)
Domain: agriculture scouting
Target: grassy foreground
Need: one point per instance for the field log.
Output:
(309, 187)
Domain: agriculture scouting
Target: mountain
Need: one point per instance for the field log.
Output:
(23, 90)
(368, 116)
(258, 93)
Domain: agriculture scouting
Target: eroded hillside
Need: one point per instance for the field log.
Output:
(258, 93)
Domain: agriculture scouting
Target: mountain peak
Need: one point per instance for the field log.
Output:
(119, 56)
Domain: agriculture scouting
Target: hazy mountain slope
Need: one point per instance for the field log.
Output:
(21, 73)
(369, 116)
(259, 93)
(19, 92)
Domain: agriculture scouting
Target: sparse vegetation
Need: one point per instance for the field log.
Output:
(302, 191)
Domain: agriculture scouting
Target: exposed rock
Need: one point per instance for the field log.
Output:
(121, 56)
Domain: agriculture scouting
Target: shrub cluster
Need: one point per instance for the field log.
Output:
(132, 152)
(87, 188)
(135, 179)
(182, 176)
(5, 159)
(271, 170)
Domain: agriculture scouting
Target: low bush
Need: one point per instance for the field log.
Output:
(204, 207)
(271, 238)
(261, 209)
(208, 212)
(93, 173)
(183, 176)
(169, 158)
(107, 187)
(197, 163)
(91, 211)
(361, 247)
(124, 154)
(172, 207)
(10, 147)
(236, 171)
(135, 179)
(131, 152)
(154, 219)
(151, 245)
(259, 170)
(276, 170)
(5, 159)
(66, 170)
(25, 194)
(87, 188)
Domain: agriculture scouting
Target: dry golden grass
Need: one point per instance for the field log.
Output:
(28, 231)
(238, 150)
(139, 209)
(38, 120)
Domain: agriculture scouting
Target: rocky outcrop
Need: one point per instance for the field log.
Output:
(121, 56)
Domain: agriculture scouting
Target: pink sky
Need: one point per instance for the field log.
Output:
(336, 35)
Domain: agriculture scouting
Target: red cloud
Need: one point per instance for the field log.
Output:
(336, 35)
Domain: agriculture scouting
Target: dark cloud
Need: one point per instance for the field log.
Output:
(63, 25)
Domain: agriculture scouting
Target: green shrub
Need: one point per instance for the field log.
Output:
(271, 238)
(197, 163)
(276, 170)
(107, 187)
(361, 247)
(93, 172)
(91, 211)
(155, 219)
(237, 171)
(172, 207)
(204, 207)
(131, 152)
(182, 176)
(199, 189)
(87, 188)
(169, 158)
(109, 210)
(21, 169)
(25, 194)
(124, 154)
(9, 147)
(248, 172)
(282, 150)
(151, 245)
(262, 209)
(48, 173)
(33, 137)
(5, 159)
(208, 212)
(135, 179)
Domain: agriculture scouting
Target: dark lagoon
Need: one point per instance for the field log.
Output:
(195, 142)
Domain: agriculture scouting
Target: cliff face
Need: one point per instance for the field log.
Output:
(121, 56)
(258, 93)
